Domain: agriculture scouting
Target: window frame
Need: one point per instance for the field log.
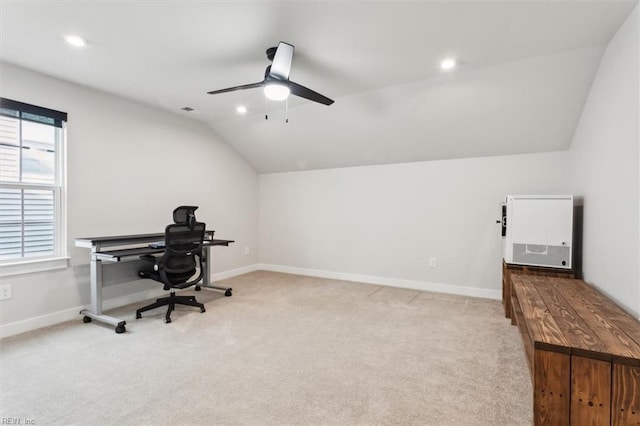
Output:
(59, 259)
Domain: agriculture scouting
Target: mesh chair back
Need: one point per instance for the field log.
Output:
(183, 252)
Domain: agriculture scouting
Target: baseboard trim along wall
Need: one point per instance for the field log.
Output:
(30, 324)
(391, 282)
(234, 272)
(54, 318)
(47, 320)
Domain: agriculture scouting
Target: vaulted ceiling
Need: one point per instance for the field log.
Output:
(524, 73)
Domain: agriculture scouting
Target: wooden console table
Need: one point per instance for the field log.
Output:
(583, 352)
(510, 269)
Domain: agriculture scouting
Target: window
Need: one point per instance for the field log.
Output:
(32, 141)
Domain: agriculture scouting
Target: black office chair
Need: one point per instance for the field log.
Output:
(181, 264)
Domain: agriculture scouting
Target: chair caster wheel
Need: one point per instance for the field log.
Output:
(202, 310)
(198, 288)
(138, 315)
(228, 293)
(86, 319)
(167, 321)
(120, 329)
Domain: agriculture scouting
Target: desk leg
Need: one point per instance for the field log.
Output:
(206, 278)
(96, 286)
(96, 298)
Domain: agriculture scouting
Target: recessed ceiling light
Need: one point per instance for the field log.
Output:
(448, 64)
(241, 109)
(75, 40)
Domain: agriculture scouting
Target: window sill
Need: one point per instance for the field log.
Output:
(31, 266)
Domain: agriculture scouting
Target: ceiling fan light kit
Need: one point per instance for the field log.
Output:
(276, 83)
(276, 91)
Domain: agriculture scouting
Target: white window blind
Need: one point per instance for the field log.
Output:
(31, 182)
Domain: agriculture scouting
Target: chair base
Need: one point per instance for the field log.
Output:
(171, 301)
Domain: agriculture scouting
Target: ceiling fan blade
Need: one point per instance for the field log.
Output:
(282, 61)
(304, 92)
(233, 89)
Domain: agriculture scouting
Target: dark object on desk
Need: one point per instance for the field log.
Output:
(181, 264)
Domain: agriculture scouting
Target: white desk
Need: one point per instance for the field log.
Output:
(130, 247)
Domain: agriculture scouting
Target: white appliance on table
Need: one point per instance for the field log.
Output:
(538, 230)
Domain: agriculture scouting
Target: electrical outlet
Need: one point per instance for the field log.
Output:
(433, 262)
(247, 250)
(5, 292)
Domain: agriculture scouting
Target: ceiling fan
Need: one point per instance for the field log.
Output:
(276, 83)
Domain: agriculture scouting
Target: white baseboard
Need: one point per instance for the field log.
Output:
(391, 282)
(30, 324)
(53, 318)
(234, 272)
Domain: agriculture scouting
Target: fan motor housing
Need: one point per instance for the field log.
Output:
(271, 53)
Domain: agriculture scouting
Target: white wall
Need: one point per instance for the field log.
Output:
(129, 166)
(384, 223)
(605, 158)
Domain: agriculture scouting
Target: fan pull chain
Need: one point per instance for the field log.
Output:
(266, 108)
(286, 110)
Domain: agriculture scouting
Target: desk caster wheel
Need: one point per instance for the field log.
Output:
(202, 310)
(198, 288)
(138, 315)
(120, 329)
(228, 292)
(86, 319)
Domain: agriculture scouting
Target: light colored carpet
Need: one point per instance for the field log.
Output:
(284, 350)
